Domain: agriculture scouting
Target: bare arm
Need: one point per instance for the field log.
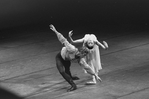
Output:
(53, 29)
(60, 37)
(88, 68)
(99, 44)
(75, 41)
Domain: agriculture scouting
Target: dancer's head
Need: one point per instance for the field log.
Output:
(89, 44)
(89, 40)
(83, 51)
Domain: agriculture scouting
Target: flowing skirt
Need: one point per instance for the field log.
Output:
(93, 59)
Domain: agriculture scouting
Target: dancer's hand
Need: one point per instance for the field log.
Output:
(98, 78)
(70, 33)
(52, 28)
(105, 44)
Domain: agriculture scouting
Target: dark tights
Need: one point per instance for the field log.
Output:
(63, 67)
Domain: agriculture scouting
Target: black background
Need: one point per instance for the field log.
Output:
(93, 14)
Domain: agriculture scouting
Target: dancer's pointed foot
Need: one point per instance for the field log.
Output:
(75, 78)
(91, 83)
(72, 88)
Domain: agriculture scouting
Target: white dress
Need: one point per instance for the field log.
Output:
(93, 58)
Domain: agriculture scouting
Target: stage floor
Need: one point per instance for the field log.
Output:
(27, 67)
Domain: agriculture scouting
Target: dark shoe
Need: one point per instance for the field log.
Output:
(74, 87)
(75, 78)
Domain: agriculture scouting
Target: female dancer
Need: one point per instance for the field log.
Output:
(93, 58)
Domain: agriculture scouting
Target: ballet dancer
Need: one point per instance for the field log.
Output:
(93, 57)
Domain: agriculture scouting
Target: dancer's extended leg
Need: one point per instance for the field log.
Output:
(60, 66)
(67, 70)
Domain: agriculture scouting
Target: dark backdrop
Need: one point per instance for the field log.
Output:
(101, 14)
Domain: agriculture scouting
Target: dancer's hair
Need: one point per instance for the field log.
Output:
(83, 51)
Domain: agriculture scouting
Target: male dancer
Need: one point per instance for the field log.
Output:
(63, 59)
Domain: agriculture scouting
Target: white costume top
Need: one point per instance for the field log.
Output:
(93, 58)
(66, 54)
(68, 51)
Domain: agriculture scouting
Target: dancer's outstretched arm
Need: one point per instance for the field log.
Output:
(99, 44)
(63, 40)
(60, 37)
(89, 70)
(75, 41)
(53, 29)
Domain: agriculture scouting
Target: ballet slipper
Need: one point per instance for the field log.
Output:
(72, 88)
(93, 82)
(75, 78)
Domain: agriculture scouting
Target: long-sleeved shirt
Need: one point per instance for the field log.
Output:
(67, 55)
(69, 51)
